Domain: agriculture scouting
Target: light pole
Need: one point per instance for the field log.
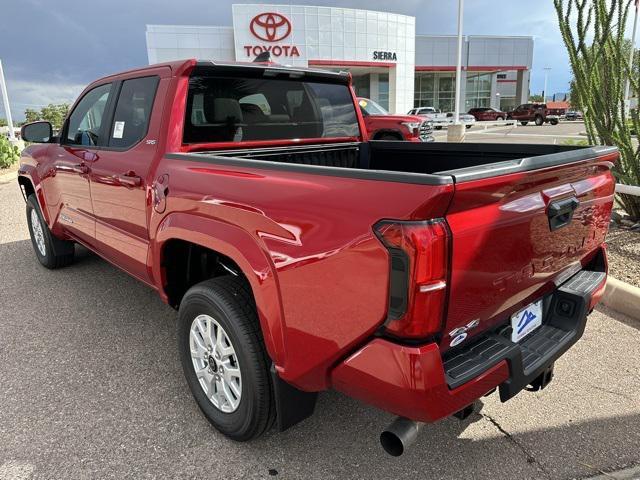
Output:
(5, 99)
(627, 99)
(546, 79)
(456, 118)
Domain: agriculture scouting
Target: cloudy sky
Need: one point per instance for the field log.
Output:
(51, 50)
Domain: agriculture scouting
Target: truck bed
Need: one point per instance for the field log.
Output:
(428, 163)
(499, 204)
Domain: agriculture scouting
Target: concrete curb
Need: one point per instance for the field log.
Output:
(622, 297)
(632, 473)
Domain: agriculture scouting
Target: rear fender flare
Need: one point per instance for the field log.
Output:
(239, 246)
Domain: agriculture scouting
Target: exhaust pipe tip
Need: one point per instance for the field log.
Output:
(400, 435)
(391, 444)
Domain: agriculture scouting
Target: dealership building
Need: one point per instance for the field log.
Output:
(389, 62)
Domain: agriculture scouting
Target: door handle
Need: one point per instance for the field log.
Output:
(560, 212)
(129, 179)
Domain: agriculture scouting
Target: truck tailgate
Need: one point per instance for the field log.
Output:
(518, 227)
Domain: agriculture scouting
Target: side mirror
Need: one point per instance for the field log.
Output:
(37, 132)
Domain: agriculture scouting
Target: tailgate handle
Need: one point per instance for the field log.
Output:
(560, 212)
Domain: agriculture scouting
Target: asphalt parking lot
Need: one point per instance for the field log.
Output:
(564, 132)
(91, 387)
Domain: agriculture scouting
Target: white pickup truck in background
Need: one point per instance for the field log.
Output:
(440, 119)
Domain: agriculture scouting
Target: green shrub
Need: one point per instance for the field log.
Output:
(9, 154)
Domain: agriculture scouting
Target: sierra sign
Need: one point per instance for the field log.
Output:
(271, 27)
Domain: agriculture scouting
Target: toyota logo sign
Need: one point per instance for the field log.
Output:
(270, 27)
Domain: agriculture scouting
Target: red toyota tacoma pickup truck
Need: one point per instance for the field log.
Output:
(381, 125)
(416, 277)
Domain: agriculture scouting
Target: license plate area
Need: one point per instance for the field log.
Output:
(526, 321)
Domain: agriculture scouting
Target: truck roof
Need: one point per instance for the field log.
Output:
(180, 66)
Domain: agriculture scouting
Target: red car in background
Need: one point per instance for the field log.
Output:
(381, 125)
(487, 114)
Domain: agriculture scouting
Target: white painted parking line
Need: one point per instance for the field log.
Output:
(499, 127)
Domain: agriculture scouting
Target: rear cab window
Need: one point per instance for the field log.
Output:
(229, 108)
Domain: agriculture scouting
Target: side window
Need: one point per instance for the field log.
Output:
(133, 110)
(85, 121)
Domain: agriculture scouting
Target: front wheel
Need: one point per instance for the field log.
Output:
(539, 121)
(553, 122)
(224, 358)
(499, 118)
(50, 251)
(524, 124)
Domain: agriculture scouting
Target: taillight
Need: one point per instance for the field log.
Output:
(419, 253)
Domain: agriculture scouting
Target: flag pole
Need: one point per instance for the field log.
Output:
(7, 107)
(456, 119)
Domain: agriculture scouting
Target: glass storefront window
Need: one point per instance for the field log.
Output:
(446, 92)
(437, 89)
(424, 90)
(478, 91)
(383, 90)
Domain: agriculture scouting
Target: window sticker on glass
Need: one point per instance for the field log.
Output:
(118, 130)
(363, 103)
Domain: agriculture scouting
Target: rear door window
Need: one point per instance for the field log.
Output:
(133, 111)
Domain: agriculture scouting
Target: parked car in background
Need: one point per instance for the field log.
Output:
(423, 111)
(446, 119)
(487, 114)
(534, 112)
(381, 125)
(573, 115)
(440, 120)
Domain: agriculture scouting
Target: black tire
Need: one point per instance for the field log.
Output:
(57, 253)
(468, 126)
(389, 136)
(539, 121)
(553, 122)
(439, 127)
(524, 124)
(229, 301)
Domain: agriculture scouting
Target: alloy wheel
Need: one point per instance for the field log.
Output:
(215, 363)
(38, 233)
